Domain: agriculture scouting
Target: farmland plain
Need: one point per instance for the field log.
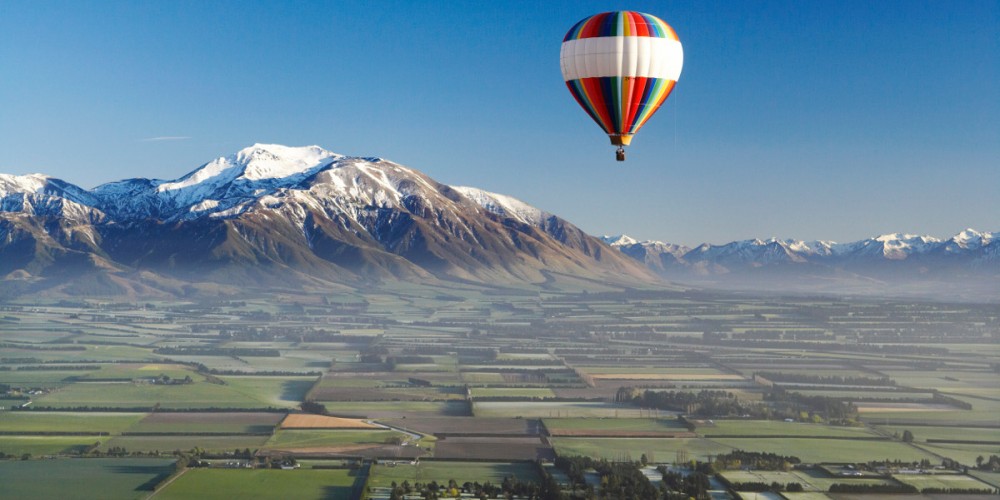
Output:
(498, 375)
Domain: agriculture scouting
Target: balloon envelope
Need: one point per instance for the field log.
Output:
(620, 67)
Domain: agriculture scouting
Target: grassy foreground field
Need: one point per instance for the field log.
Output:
(263, 484)
(105, 478)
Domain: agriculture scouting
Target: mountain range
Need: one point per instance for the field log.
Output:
(967, 263)
(273, 215)
(299, 217)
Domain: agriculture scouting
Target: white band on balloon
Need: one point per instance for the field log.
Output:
(641, 56)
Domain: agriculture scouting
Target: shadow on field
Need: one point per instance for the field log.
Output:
(338, 492)
(355, 490)
(158, 473)
(295, 390)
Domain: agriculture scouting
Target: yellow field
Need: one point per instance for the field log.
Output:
(900, 407)
(308, 421)
(160, 367)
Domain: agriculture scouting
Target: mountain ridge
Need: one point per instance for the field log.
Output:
(966, 265)
(272, 213)
(892, 246)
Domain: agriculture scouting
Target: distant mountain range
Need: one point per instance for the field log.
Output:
(300, 217)
(968, 262)
(293, 217)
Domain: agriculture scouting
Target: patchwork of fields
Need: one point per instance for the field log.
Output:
(492, 381)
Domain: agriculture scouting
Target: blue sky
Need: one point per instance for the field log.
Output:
(832, 120)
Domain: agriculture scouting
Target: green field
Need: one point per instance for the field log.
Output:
(215, 422)
(181, 442)
(129, 395)
(955, 481)
(778, 428)
(55, 422)
(983, 413)
(923, 432)
(129, 371)
(656, 450)
(47, 445)
(105, 478)
(571, 425)
(991, 478)
(272, 391)
(394, 409)
(47, 379)
(542, 409)
(482, 378)
(512, 392)
(226, 484)
(964, 453)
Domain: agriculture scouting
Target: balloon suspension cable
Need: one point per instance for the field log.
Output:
(620, 153)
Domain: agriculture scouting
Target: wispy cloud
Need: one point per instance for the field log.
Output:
(165, 138)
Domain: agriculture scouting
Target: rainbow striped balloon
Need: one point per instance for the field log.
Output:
(620, 67)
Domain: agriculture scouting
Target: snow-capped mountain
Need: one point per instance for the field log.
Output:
(896, 257)
(292, 214)
(657, 255)
(297, 216)
(38, 194)
(223, 187)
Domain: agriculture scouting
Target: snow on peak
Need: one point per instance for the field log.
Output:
(255, 163)
(274, 161)
(969, 234)
(504, 206)
(894, 238)
(970, 239)
(30, 183)
(899, 246)
(619, 240)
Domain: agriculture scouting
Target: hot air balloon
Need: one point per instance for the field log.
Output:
(620, 67)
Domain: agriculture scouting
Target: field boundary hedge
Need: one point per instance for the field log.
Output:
(194, 433)
(786, 436)
(962, 441)
(54, 433)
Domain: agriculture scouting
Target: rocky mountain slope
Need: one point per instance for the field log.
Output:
(274, 215)
(293, 217)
